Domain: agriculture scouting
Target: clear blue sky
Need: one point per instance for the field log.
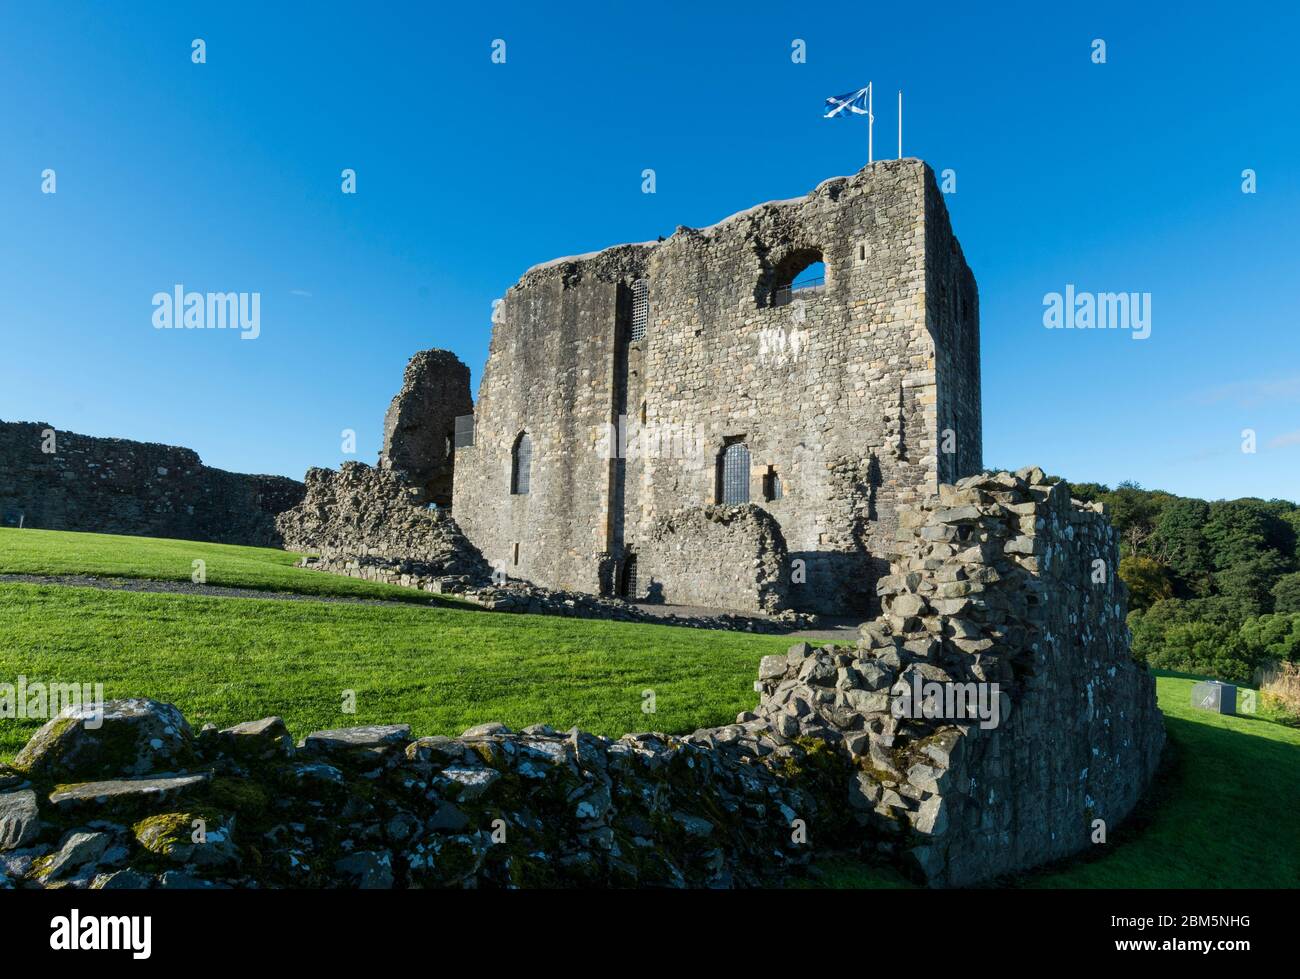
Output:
(226, 176)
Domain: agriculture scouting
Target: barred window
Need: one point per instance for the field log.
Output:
(521, 463)
(733, 474)
(464, 437)
(640, 308)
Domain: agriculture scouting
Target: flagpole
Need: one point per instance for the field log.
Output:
(900, 123)
(871, 121)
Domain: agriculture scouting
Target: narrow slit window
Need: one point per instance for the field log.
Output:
(521, 465)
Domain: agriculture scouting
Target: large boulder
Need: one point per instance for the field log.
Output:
(89, 742)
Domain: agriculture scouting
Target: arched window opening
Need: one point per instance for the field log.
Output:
(800, 275)
(520, 465)
(733, 473)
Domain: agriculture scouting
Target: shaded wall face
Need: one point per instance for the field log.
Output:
(952, 310)
(550, 373)
(419, 427)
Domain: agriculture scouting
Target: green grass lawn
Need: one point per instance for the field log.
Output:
(58, 552)
(441, 670)
(1223, 813)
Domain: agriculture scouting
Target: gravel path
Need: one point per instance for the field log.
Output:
(156, 586)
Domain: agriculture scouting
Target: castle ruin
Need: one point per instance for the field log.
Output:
(698, 422)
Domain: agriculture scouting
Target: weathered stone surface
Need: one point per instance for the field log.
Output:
(78, 850)
(262, 739)
(374, 518)
(842, 395)
(115, 486)
(420, 425)
(20, 819)
(1077, 734)
(717, 557)
(368, 871)
(358, 743)
(132, 737)
(126, 792)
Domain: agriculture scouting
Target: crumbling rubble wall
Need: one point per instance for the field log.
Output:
(730, 557)
(56, 480)
(360, 515)
(1005, 586)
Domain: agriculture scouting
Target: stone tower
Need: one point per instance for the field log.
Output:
(698, 421)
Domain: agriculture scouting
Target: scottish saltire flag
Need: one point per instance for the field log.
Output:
(854, 103)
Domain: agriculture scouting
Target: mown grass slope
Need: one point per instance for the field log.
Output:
(58, 552)
(441, 670)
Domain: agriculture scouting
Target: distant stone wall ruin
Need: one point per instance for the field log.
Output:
(57, 480)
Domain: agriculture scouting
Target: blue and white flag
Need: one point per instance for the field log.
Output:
(855, 103)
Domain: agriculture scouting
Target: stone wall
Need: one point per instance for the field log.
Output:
(842, 394)
(370, 518)
(420, 425)
(372, 807)
(115, 486)
(1003, 581)
(1000, 580)
(718, 557)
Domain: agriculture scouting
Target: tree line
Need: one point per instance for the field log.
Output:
(1214, 586)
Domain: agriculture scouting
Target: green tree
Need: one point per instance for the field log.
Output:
(1133, 511)
(1208, 649)
(1147, 580)
(1249, 583)
(1273, 637)
(1286, 593)
(1238, 530)
(1180, 538)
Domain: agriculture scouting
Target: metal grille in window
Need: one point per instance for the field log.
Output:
(640, 308)
(735, 473)
(464, 431)
(523, 459)
(772, 486)
(629, 577)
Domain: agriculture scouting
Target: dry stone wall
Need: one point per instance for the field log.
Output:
(115, 486)
(374, 807)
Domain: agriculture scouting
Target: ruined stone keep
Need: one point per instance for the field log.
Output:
(628, 391)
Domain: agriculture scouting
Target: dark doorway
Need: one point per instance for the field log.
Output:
(627, 580)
